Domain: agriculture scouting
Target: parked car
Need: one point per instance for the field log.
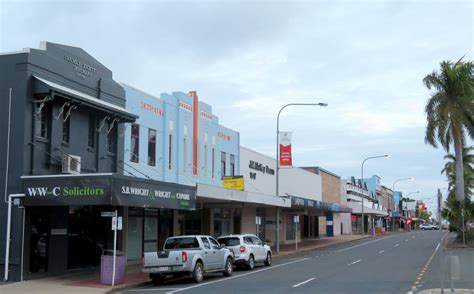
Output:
(248, 249)
(427, 227)
(188, 255)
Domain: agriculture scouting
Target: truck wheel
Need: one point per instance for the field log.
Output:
(251, 262)
(268, 261)
(157, 279)
(198, 272)
(229, 267)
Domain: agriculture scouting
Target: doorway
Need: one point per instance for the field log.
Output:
(39, 240)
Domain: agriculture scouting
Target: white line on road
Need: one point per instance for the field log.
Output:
(242, 275)
(153, 289)
(302, 283)
(354, 262)
(406, 240)
(396, 245)
(381, 251)
(364, 244)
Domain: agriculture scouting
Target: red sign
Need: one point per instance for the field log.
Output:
(285, 149)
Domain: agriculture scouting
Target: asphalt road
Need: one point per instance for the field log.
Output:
(387, 264)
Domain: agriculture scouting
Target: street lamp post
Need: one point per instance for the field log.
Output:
(362, 183)
(277, 225)
(393, 202)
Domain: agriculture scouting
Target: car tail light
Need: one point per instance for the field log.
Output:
(242, 249)
(184, 256)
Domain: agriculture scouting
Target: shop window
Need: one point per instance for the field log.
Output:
(66, 127)
(42, 124)
(92, 132)
(134, 233)
(135, 143)
(237, 217)
(290, 227)
(151, 147)
(212, 162)
(261, 228)
(111, 139)
(222, 220)
(232, 165)
(223, 173)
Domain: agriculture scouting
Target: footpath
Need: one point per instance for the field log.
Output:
(89, 281)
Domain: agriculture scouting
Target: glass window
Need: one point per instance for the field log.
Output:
(205, 160)
(185, 154)
(232, 241)
(42, 124)
(134, 233)
(232, 165)
(247, 240)
(255, 240)
(66, 127)
(212, 162)
(91, 135)
(214, 243)
(223, 173)
(206, 243)
(181, 243)
(170, 150)
(135, 143)
(151, 147)
(111, 138)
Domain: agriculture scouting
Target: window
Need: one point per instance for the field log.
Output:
(212, 162)
(223, 173)
(222, 221)
(42, 124)
(214, 243)
(151, 147)
(247, 240)
(205, 241)
(232, 165)
(185, 154)
(205, 160)
(170, 149)
(66, 126)
(91, 137)
(135, 143)
(111, 138)
(255, 240)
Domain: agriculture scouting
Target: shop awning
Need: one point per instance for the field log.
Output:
(88, 100)
(105, 189)
(298, 202)
(357, 209)
(218, 194)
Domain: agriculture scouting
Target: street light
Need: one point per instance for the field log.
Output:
(393, 202)
(362, 183)
(417, 192)
(277, 226)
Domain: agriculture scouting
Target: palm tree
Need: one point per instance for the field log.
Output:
(468, 166)
(450, 112)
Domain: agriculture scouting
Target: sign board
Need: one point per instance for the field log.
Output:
(117, 223)
(285, 149)
(296, 219)
(233, 183)
(329, 223)
(107, 213)
(258, 220)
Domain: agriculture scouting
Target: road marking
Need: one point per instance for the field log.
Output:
(242, 275)
(354, 262)
(381, 251)
(406, 240)
(413, 237)
(341, 250)
(302, 283)
(396, 245)
(153, 289)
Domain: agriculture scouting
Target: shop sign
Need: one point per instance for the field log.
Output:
(233, 183)
(285, 149)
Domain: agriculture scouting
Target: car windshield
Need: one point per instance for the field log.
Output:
(181, 243)
(229, 241)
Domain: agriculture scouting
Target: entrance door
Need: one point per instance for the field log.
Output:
(39, 239)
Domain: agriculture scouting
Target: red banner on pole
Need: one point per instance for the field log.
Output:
(285, 149)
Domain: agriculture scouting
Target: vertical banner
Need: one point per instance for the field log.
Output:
(285, 149)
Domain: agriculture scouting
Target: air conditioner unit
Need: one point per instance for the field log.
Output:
(71, 164)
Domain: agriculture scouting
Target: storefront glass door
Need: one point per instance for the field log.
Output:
(39, 240)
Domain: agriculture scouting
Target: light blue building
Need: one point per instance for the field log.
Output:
(178, 139)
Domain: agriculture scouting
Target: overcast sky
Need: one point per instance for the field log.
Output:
(366, 59)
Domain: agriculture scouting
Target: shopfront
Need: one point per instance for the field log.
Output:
(67, 223)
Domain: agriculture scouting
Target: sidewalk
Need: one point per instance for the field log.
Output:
(89, 281)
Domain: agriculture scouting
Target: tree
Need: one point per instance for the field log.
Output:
(450, 112)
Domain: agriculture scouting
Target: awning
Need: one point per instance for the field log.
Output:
(89, 100)
(105, 189)
(357, 209)
(298, 202)
(218, 194)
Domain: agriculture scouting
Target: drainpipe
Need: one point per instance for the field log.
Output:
(7, 240)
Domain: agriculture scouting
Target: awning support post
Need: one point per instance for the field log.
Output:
(7, 239)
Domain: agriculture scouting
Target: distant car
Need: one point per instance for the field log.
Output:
(427, 227)
(248, 249)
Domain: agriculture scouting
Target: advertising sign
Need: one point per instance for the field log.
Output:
(285, 149)
(234, 183)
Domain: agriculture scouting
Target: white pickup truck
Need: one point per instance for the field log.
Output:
(193, 255)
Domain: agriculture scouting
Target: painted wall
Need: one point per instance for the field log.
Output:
(258, 171)
(188, 134)
(301, 183)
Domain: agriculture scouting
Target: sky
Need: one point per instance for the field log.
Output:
(247, 59)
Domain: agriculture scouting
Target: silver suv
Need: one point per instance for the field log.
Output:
(248, 249)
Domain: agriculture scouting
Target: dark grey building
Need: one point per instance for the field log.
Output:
(62, 121)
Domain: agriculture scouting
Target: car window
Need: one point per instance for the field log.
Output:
(255, 240)
(206, 243)
(247, 240)
(181, 243)
(231, 241)
(214, 243)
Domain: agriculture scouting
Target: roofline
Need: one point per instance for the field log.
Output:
(323, 170)
(66, 176)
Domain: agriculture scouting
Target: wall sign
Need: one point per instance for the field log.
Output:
(285, 149)
(234, 183)
(83, 71)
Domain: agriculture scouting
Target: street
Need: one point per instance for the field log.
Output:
(385, 264)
